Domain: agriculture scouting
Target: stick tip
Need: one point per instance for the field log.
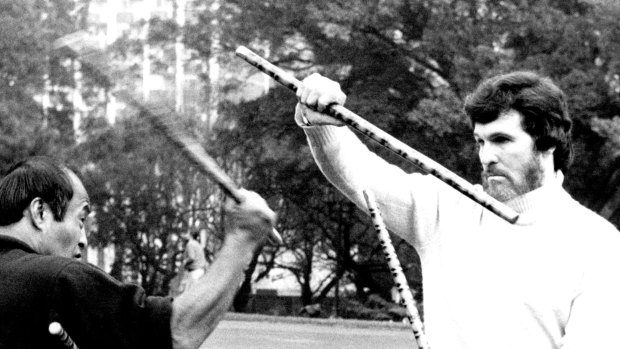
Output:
(55, 328)
(71, 40)
(368, 195)
(275, 238)
(81, 43)
(242, 51)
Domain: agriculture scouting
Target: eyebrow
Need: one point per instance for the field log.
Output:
(494, 135)
(87, 206)
(501, 134)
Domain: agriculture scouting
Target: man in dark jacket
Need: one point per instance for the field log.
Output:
(43, 206)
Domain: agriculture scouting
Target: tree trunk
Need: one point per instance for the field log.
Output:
(242, 298)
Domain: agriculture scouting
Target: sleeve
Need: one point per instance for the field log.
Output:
(594, 320)
(409, 203)
(100, 312)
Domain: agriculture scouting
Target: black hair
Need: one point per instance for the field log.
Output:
(541, 103)
(35, 177)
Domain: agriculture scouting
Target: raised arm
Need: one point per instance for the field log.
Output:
(409, 202)
(196, 312)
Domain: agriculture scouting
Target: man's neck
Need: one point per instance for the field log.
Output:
(551, 176)
(23, 232)
(531, 199)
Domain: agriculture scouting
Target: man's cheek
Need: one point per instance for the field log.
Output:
(69, 240)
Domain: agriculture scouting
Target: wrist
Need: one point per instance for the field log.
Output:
(242, 247)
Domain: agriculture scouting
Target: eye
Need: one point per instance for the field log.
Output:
(500, 139)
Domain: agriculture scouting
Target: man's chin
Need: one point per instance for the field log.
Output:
(500, 193)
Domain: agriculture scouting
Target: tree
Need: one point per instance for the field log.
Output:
(144, 197)
(32, 122)
(143, 194)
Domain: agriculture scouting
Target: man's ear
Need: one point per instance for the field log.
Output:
(549, 152)
(37, 212)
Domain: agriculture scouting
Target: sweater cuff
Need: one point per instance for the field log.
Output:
(326, 136)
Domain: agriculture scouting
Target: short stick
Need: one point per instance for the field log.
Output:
(56, 330)
(160, 116)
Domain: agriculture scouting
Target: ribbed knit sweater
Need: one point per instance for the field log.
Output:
(552, 280)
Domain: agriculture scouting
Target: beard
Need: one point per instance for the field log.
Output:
(512, 185)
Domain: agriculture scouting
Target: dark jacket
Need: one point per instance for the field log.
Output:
(96, 310)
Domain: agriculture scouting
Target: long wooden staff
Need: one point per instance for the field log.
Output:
(159, 116)
(397, 271)
(56, 330)
(359, 124)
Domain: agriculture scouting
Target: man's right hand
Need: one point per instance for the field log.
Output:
(197, 310)
(251, 221)
(315, 94)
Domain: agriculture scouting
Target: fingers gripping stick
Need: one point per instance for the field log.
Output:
(359, 124)
(159, 116)
(397, 271)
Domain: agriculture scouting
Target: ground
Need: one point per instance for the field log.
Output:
(238, 332)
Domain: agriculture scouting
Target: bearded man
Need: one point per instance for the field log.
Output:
(551, 280)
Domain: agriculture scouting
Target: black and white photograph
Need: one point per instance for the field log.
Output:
(305, 174)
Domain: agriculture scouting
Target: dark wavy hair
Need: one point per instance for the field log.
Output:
(541, 103)
(28, 179)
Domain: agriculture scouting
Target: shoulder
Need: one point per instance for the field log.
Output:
(595, 229)
(43, 266)
(81, 275)
(585, 217)
(38, 273)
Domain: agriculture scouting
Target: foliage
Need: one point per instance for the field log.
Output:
(143, 194)
(26, 76)
(144, 197)
(375, 308)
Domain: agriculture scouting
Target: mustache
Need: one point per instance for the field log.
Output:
(485, 174)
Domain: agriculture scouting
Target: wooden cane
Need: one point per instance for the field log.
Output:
(56, 330)
(387, 141)
(397, 271)
(160, 116)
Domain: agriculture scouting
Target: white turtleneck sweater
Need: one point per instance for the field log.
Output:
(552, 280)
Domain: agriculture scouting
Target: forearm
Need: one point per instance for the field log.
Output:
(351, 167)
(407, 202)
(336, 151)
(196, 312)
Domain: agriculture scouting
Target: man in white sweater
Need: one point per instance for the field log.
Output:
(551, 280)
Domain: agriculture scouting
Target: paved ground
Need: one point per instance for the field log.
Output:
(260, 334)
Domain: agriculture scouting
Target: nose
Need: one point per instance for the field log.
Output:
(487, 155)
(81, 246)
